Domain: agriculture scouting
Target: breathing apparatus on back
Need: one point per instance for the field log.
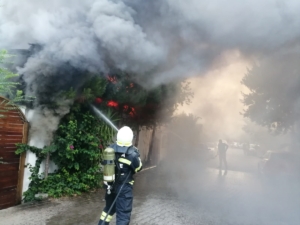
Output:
(124, 139)
(109, 165)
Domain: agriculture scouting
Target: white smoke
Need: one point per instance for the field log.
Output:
(44, 122)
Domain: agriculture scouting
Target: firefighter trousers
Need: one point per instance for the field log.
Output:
(122, 207)
(222, 159)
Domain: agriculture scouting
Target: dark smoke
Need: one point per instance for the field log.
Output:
(161, 39)
(158, 40)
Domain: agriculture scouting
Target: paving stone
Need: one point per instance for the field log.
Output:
(236, 199)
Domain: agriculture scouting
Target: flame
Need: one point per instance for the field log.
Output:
(112, 103)
(126, 107)
(131, 85)
(132, 113)
(112, 79)
(98, 100)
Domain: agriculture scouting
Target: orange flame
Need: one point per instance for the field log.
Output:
(112, 103)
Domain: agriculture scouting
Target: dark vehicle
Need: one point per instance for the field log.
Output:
(275, 164)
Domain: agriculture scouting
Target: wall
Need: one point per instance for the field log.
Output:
(144, 143)
(158, 144)
(145, 136)
(37, 140)
(30, 157)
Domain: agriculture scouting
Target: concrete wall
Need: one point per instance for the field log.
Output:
(144, 143)
(158, 144)
(37, 141)
(30, 158)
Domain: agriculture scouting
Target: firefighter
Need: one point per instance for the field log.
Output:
(127, 160)
(222, 149)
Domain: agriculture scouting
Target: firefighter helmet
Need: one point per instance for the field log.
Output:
(125, 136)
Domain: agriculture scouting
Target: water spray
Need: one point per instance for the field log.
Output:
(99, 113)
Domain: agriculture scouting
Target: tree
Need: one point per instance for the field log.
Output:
(76, 150)
(8, 88)
(139, 106)
(274, 98)
(135, 105)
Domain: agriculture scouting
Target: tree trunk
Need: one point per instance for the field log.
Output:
(151, 145)
(47, 165)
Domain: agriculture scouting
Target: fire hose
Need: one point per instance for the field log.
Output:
(112, 205)
(103, 222)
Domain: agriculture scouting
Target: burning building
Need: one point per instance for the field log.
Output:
(160, 41)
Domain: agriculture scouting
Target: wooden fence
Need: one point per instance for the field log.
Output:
(13, 130)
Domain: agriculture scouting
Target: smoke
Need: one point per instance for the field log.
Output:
(218, 96)
(89, 35)
(44, 122)
(197, 32)
(161, 39)
(158, 40)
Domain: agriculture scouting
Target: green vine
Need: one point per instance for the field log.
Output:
(76, 151)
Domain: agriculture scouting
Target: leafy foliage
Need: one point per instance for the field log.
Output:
(76, 150)
(79, 141)
(274, 98)
(93, 88)
(139, 106)
(7, 87)
(135, 104)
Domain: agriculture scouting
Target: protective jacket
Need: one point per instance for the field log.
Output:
(127, 160)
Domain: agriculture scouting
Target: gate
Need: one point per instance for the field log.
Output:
(13, 130)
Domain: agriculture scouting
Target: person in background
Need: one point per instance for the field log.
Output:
(222, 150)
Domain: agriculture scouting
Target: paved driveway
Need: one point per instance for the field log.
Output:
(181, 194)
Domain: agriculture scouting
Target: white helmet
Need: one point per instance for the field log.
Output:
(125, 136)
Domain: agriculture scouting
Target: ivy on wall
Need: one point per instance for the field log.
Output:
(76, 150)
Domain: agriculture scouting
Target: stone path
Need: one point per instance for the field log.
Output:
(161, 198)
